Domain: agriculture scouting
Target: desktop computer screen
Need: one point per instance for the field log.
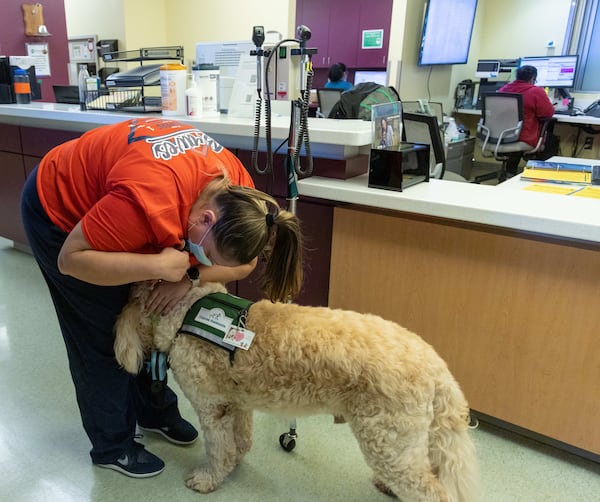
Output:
(377, 76)
(553, 71)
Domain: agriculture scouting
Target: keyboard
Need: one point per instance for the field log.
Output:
(566, 112)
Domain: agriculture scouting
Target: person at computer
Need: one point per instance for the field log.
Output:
(536, 107)
(337, 77)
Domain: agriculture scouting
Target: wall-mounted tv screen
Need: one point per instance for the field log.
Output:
(447, 29)
(553, 71)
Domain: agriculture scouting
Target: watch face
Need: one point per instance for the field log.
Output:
(193, 273)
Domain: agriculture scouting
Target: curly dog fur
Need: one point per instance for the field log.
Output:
(404, 407)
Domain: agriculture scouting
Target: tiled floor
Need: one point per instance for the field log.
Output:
(44, 452)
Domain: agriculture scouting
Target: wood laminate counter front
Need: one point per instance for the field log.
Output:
(501, 281)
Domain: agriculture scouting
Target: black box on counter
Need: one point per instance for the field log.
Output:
(7, 94)
(399, 167)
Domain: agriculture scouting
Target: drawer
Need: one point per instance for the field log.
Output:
(38, 142)
(10, 139)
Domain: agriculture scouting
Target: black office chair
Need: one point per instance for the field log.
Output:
(327, 98)
(499, 129)
(421, 128)
(426, 107)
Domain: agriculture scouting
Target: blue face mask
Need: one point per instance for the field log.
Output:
(198, 251)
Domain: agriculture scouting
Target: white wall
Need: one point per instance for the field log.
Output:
(92, 17)
(147, 23)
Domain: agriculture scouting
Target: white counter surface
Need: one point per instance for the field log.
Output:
(506, 205)
(329, 138)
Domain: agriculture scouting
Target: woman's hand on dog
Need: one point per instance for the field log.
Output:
(165, 295)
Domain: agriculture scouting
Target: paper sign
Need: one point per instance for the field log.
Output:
(372, 39)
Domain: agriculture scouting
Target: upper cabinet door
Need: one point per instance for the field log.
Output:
(343, 29)
(375, 15)
(337, 27)
(315, 15)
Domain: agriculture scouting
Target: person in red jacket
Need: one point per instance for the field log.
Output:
(536, 106)
(144, 199)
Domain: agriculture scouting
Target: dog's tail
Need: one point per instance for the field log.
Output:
(129, 345)
(451, 450)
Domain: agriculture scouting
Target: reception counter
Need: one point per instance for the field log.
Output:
(502, 281)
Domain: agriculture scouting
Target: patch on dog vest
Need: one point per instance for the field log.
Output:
(220, 318)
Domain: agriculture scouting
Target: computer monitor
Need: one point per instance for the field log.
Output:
(553, 71)
(377, 76)
(487, 68)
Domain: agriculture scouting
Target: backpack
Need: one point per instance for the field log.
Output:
(356, 103)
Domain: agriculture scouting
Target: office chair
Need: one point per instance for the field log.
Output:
(421, 128)
(425, 107)
(499, 129)
(327, 98)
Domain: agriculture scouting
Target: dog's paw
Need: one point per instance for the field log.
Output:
(203, 481)
(242, 447)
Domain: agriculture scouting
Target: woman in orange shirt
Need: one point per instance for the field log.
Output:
(125, 203)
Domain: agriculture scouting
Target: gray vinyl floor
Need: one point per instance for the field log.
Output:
(44, 452)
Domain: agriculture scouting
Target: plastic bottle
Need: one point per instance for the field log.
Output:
(22, 86)
(451, 133)
(207, 77)
(193, 100)
(172, 88)
(82, 79)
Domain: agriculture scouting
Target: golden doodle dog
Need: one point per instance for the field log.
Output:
(405, 409)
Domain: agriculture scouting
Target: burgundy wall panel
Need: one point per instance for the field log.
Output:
(13, 39)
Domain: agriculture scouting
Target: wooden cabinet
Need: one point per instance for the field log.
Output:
(337, 27)
(21, 149)
(374, 15)
(316, 219)
(12, 173)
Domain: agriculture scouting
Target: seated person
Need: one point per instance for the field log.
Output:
(536, 106)
(337, 77)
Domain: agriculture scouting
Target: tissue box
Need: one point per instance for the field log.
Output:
(400, 167)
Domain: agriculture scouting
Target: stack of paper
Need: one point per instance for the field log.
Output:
(561, 172)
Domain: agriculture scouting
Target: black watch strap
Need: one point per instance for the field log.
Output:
(193, 275)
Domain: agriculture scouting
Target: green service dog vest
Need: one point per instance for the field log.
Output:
(220, 318)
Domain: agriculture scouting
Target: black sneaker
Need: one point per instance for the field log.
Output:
(136, 463)
(181, 433)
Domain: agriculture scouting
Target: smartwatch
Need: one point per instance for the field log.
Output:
(193, 274)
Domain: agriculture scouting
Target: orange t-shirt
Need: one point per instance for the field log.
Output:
(132, 184)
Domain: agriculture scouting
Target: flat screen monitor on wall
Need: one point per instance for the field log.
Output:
(553, 71)
(377, 76)
(447, 29)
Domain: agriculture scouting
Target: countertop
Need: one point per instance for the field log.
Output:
(506, 205)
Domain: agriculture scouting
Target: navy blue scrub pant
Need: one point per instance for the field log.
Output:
(110, 399)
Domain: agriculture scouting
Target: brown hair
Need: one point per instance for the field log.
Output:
(250, 223)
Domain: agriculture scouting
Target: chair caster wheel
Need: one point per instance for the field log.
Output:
(287, 441)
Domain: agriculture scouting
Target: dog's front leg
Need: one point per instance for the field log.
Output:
(218, 422)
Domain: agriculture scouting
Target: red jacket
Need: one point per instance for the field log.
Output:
(536, 105)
